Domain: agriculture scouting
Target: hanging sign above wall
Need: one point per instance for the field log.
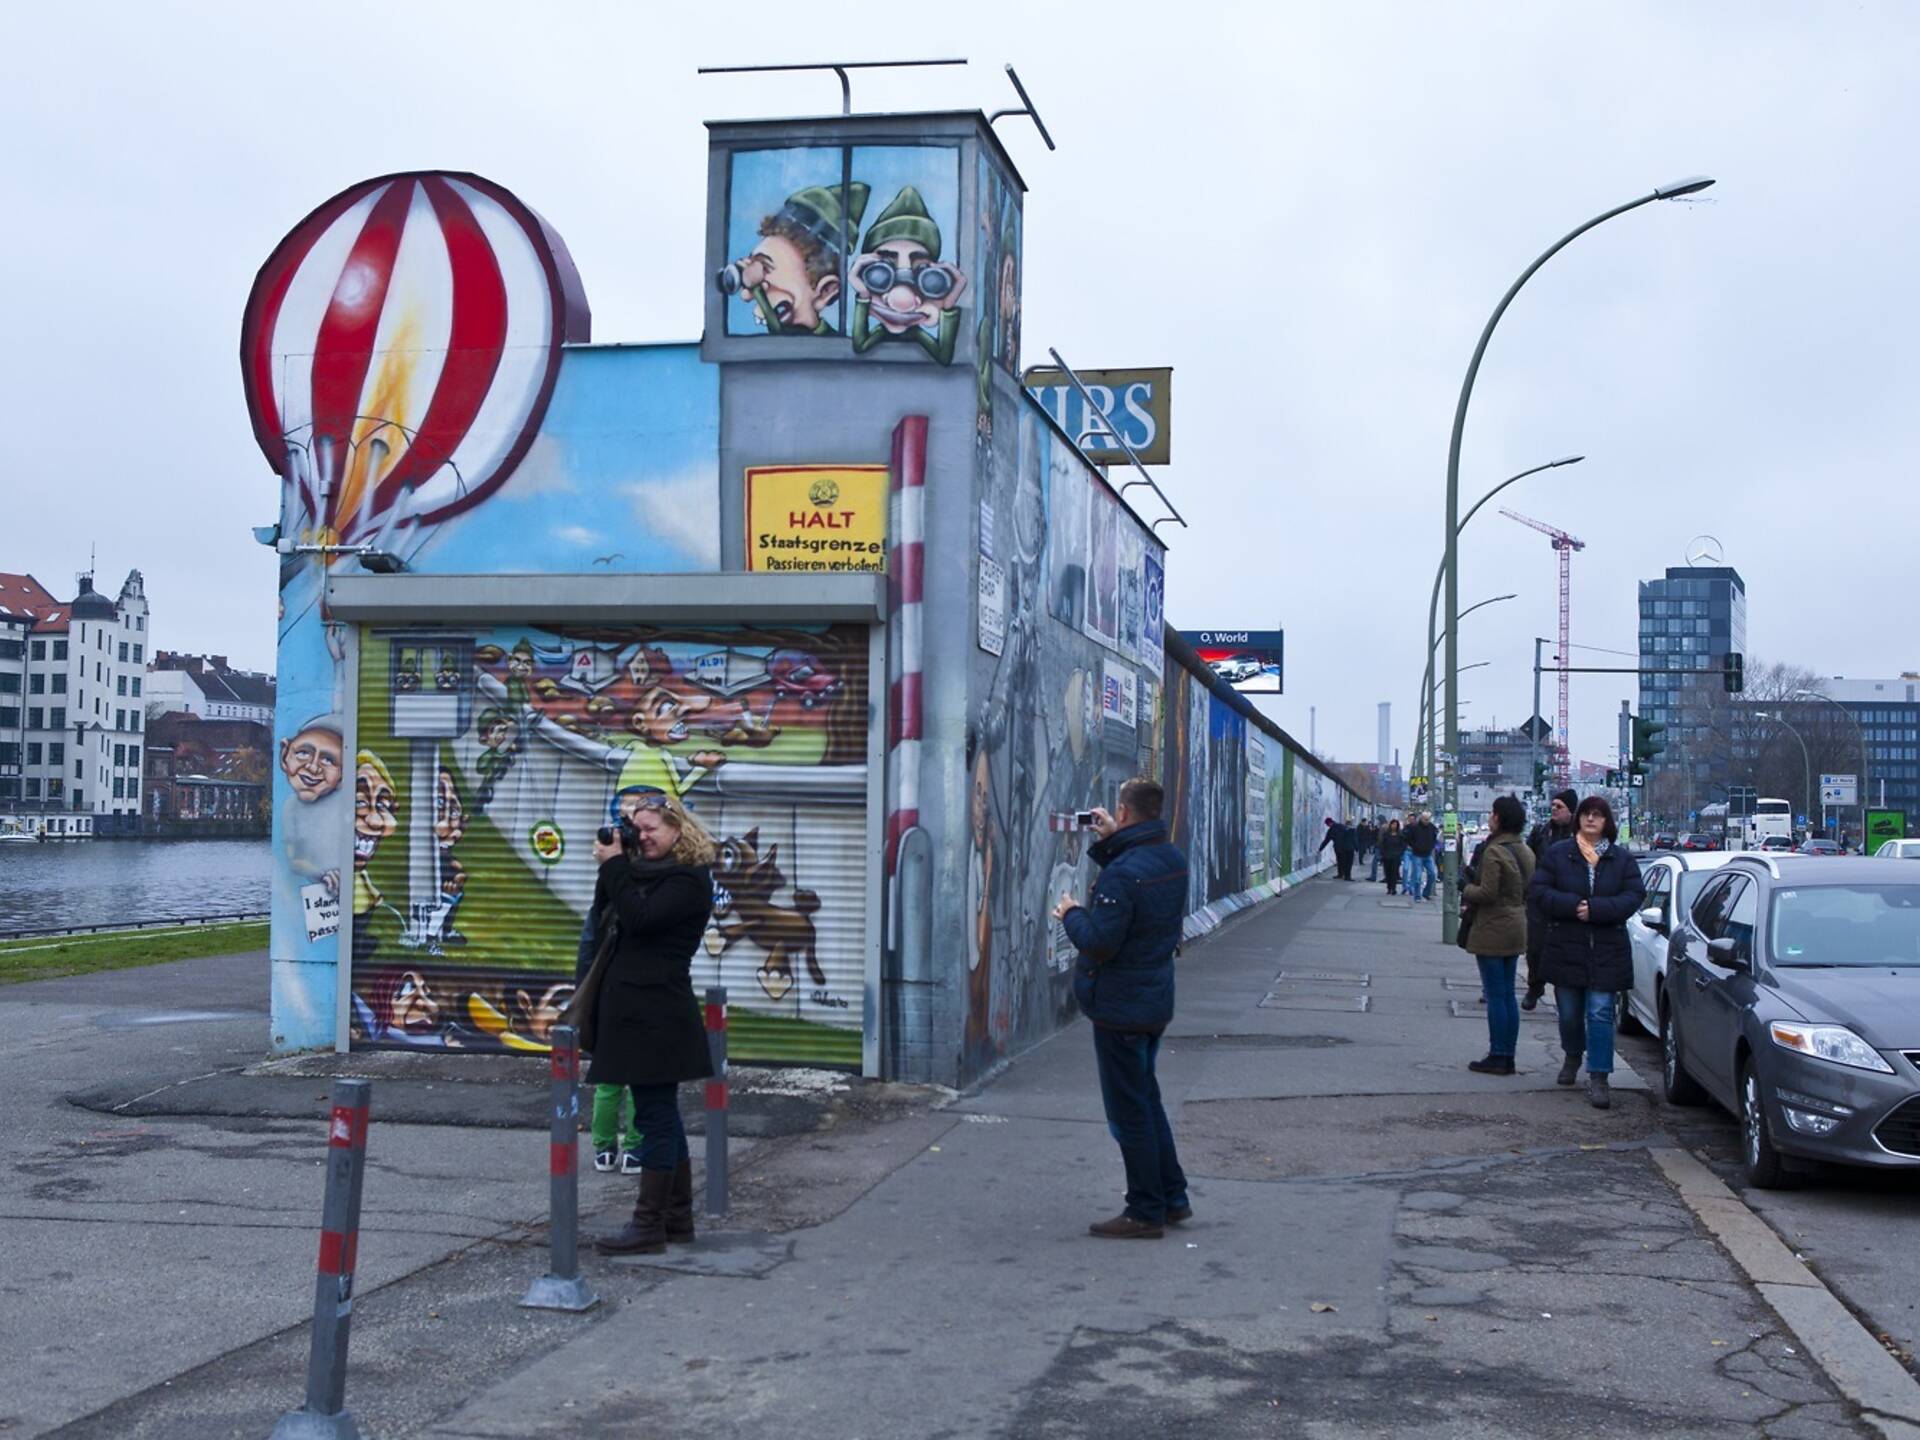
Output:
(1138, 404)
(1248, 660)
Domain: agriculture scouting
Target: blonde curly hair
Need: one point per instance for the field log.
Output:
(695, 845)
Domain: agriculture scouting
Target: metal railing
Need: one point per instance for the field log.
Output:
(177, 922)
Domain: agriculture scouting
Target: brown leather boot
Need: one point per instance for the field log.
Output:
(645, 1233)
(679, 1217)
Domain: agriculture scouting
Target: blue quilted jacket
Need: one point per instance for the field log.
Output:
(1129, 928)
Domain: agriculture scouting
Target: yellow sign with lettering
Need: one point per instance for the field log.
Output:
(819, 519)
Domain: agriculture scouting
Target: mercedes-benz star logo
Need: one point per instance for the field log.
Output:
(1704, 550)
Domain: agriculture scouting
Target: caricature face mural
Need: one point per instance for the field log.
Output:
(569, 728)
(794, 230)
(311, 762)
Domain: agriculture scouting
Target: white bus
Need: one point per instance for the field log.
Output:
(1770, 817)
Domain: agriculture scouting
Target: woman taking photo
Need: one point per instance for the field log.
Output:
(1498, 895)
(1393, 848)
(1587, 887)
(650, 1034)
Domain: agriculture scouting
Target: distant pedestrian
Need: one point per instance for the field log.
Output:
(1127, 934)
(1558, 826)
(1588, 886)
(1498, 894)
(1393, 848)
(1422, 840)
(652, 1035)
(616, 1144)
(1341, 838)
(1370, 848)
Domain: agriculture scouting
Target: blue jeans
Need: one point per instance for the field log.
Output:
(1586, 1025)
(656, 1115)
(1136, 1119)
(1503, 1006)
(1421, 875)
(1373, 863)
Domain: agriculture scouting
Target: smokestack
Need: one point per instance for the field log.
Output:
(1386, 731)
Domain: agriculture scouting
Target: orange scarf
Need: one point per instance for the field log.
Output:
(1586, 849)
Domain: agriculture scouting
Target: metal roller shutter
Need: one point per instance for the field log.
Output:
(489, 756)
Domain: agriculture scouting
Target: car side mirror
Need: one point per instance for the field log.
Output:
(1725, 952)
(1654, 917)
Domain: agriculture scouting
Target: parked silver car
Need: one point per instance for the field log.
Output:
(1674, 878)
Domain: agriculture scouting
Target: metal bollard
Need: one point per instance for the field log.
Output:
(563, 1287)
(717, 1101)
(325, 1416)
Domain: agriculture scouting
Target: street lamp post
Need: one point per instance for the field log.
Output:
(1450, 906)
(1433, 604)
(1806, 765)
(1424, 733)
(1860, 733)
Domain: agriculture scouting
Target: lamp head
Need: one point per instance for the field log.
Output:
(1565, 460)
(1692, 185)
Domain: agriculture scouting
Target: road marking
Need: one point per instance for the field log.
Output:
(1857, 1364)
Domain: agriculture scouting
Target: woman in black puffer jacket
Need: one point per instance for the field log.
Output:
(1587, 887)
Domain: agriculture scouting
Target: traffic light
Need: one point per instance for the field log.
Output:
(1541, 771)
(1646, 744)
(1734, 672)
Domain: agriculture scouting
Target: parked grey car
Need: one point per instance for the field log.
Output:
(1674, 879)
(1793, 998)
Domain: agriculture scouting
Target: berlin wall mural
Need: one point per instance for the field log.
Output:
(856, 241)
(402, 353)
(489, 758)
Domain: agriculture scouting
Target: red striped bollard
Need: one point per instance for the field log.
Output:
(717, 1101)
(324, 1416)
(563, 1287)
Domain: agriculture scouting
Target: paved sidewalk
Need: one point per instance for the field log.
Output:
(1384, 1244)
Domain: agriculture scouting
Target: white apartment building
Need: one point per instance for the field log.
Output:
(205, 685)
(71, 704)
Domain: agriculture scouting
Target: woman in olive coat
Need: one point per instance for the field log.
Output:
(648, 1030)
(1498, 895)
(1587, 887)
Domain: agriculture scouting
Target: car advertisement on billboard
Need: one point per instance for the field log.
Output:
(1248, 660)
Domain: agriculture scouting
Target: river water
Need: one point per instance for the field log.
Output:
(104, 882)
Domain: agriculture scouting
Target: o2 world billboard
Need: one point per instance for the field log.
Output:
(1248, 660)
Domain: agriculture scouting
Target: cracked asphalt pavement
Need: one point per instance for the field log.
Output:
(1384, 1244)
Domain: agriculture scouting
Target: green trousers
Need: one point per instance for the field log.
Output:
(612, 1114)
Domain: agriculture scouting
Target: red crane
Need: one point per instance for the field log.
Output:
(1564, 544)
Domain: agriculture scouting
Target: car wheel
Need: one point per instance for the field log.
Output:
(1762, 1163)
(1681, 1088)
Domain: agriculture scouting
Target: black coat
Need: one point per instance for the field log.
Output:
(1393, 844)
(651, 1031)
(1590, 954)
(1338, 836)
(1421, 837)
(1544, 834)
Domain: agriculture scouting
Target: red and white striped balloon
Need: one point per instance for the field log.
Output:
(399, 349)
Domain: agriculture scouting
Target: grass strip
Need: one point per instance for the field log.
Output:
(47, 956)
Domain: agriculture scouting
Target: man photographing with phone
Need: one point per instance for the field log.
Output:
(1127, 934)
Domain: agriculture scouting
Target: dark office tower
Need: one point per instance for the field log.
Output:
(1688, 622)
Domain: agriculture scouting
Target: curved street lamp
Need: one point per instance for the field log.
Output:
(1424, 735)
(1860, 732)
(1806, 765)
(1433, 604)
(1450, 907)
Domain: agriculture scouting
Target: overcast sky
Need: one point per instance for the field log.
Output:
(1308, 210)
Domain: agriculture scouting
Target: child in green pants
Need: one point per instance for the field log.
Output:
(613, 1114)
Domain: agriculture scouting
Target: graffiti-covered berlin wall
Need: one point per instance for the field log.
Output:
(831, 576)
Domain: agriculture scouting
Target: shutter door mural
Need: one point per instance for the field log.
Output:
(489, 757)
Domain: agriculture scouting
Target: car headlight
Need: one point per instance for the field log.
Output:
(1828, 1042)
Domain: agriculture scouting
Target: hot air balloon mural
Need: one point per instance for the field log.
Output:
(399, 349)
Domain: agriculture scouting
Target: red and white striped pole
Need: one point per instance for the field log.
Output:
(325, 1413)
(717, 1101)
(563, 1287)
(906, 587)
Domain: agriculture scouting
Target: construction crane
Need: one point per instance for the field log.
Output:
(1564, 544)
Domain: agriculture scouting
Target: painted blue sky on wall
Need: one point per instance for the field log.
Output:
(623, 476)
